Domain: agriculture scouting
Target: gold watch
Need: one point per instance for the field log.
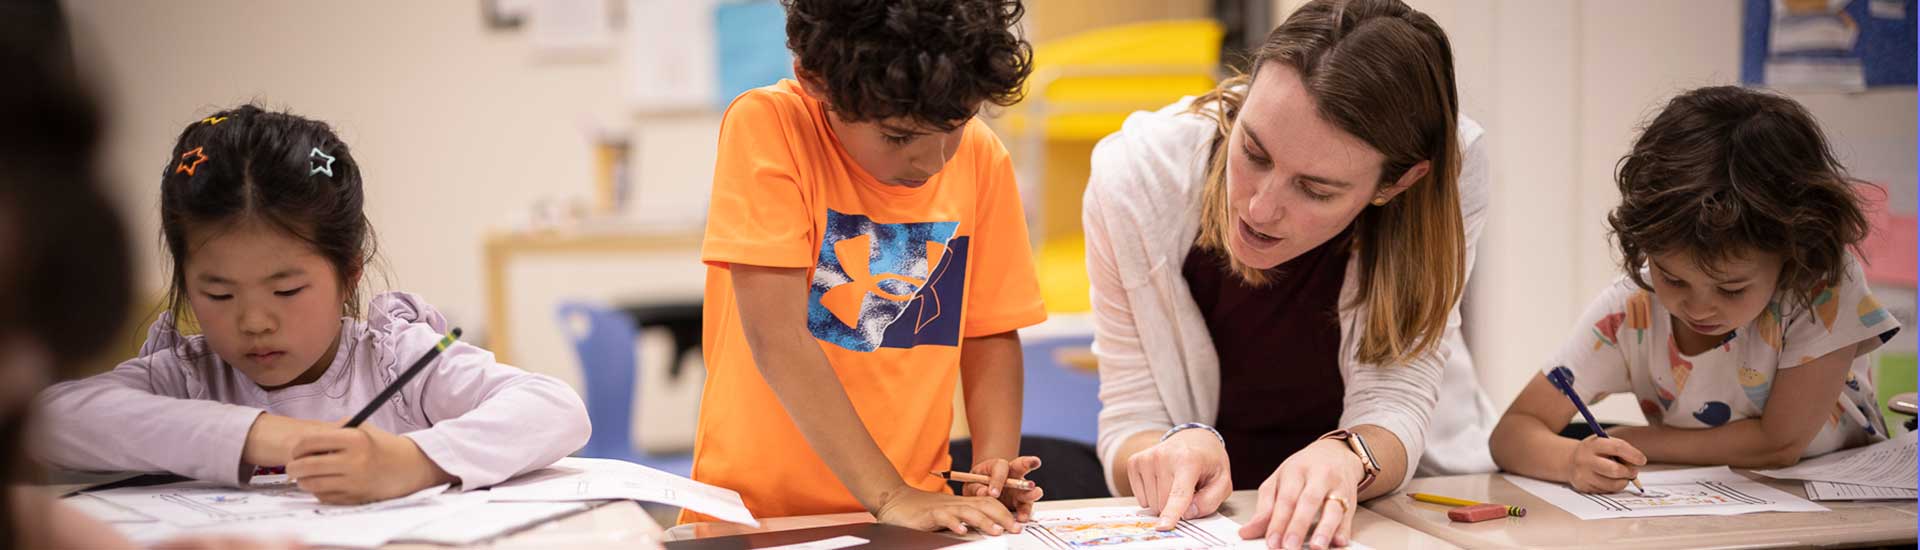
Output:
(1369, 468)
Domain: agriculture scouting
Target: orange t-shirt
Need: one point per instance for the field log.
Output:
(899, 277)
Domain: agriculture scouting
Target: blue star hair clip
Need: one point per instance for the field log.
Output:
(315, 165)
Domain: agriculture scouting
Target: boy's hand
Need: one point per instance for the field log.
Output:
(1593, 469)
(916, 509)
(364, 464)
(271, 439)
(1019, 500)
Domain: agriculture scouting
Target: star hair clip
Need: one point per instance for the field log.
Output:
(315, 166)
(191, 160)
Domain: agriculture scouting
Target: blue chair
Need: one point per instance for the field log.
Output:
(604, 339)
(1060, 401)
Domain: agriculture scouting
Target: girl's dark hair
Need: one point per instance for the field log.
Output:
(64, 264)
(251, 164)
(930, 61)
(1724, 171)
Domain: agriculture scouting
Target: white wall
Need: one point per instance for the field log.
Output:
(458, 129)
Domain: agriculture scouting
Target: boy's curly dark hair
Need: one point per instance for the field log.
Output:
(1726, 170)
(930, 61)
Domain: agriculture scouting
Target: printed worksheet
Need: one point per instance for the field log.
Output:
(1827, 490)
(197, 503)
(1888, 463)
(1128, 528)
(336, 527)
(1712, 491)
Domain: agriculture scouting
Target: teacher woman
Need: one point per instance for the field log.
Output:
(1276, 271)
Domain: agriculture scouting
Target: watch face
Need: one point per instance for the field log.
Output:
(1366, 454)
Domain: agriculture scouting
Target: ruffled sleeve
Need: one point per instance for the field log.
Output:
(477, 410)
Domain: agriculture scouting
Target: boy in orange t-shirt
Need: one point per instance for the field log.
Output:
(866, 250)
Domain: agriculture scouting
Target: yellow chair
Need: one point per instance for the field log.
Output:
(1083, 86)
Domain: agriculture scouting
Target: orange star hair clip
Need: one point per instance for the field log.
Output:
(190, 161)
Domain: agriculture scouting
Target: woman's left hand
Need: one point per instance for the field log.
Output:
(1313, 492)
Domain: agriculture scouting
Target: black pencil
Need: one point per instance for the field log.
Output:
(393, 388)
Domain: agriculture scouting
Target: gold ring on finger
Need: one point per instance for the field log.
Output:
(1342, 501)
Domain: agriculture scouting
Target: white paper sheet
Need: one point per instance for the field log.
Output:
(579, 479)
(1827, 490)
(1888, 463)
(835, 543)
(489, 521)
(104, 511)
(197, 503)
(1128, 528)
(570, 28)
(670, 54)
(370, 529)
(1711, 491)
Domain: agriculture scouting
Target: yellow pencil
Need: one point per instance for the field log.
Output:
(965, 477)
(1514, 511)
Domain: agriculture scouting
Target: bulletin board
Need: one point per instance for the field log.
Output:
(693, 55)
(1831, 45)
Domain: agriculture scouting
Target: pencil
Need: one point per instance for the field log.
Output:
(387, 394)
(1514, 511)
(1560, 377)
(965, 477)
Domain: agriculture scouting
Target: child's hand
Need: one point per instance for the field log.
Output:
(1019, 500)
(1593, 468)
(270, 441)
(364, 464)
(916, 509)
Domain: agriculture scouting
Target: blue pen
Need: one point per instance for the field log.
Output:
(1562, 378)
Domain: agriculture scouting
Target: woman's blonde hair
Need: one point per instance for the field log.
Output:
(1383, 72)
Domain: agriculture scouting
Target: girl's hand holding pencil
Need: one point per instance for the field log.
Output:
(362, 464)
(1604, 465)
(271, 439)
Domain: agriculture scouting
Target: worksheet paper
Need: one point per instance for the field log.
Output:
(581, 479)
(1711, 491)
(281, 510)
(1827, 490)
(367, 529)
(1128, 528)
(198, 503)
(490, 521)
(1888, 463)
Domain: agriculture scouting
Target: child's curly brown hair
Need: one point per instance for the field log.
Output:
(1723, 171)
(930, 61)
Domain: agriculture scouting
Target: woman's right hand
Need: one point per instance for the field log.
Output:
(1184, 477)
(1593, 469)
(917, 509)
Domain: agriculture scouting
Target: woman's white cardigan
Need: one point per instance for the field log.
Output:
(1158, 368)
